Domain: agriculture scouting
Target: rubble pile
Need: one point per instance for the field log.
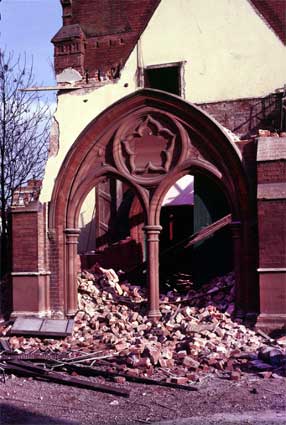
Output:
(195, 334)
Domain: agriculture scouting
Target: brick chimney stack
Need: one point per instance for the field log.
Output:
(67, 11)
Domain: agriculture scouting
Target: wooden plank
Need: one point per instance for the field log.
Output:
(208, 231)
(4, 345)
(49, 88)
(200, 235)
(92, 371)
(39, 372)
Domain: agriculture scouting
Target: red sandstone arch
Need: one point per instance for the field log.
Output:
(190, 142)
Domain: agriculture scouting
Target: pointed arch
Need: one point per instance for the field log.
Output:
(190, 140)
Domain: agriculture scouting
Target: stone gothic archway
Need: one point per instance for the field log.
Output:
(148, 140)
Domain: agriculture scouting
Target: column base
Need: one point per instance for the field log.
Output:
(271, 322)
(154, 315)
(70, 314)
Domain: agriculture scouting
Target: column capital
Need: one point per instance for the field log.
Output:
(71, 231)
(72, 236)
(152, 228)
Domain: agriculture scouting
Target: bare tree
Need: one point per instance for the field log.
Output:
(24, 129)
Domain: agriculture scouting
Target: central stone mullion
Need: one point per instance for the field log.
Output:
(152, 233)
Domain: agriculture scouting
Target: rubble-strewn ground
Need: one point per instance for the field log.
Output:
(196, 342)
(34, 402)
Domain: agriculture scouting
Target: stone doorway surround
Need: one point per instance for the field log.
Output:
(148, 140)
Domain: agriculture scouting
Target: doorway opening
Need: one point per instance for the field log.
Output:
(196, 241)
(111, 222)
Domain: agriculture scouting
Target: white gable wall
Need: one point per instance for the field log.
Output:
(230, 51)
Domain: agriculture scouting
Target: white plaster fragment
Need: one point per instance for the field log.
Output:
(69, 75)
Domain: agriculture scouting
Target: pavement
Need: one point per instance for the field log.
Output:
(269, 417)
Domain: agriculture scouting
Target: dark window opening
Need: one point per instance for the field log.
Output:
(164, 78)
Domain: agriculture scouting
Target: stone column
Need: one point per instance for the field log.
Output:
(70, 275)
(152, 243)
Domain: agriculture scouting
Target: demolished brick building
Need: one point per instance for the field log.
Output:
(149, 93)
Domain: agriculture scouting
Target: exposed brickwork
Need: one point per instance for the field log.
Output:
(29, 239)
(69, 48)
(245, 116)
(30, 274)
(274, 12)
(272, 233)
(99, 35)
(271, 149)
(271, 160)
(25, 241)
(271, 194)
(272, 298)
(271, 191)
(271, 171)
(56, 285)
(24, 195)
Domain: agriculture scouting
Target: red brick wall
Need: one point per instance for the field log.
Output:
(274, 12)
(271, 194)
(29, 240)
(25, 241)
(245, 116)
(111, 29)
(271, 178)
(56, 280)
(272, 233)
(271, 171)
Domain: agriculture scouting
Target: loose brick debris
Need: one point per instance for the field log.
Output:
(195, 336)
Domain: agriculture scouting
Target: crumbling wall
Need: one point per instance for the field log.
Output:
(245, 117)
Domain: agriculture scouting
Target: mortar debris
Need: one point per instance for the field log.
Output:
(196, 334)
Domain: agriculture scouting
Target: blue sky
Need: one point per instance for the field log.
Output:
(28, 26)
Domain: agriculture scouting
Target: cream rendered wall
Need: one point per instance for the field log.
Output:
(230, 51)
(77, 109)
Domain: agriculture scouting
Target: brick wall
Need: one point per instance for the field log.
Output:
(56, 280)
(29, 240)
(99, 35)
(271, 193)
(272, 171)
(30, 274)
(272, 233)
(25, 240)
(245, 116)
(271, 203)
